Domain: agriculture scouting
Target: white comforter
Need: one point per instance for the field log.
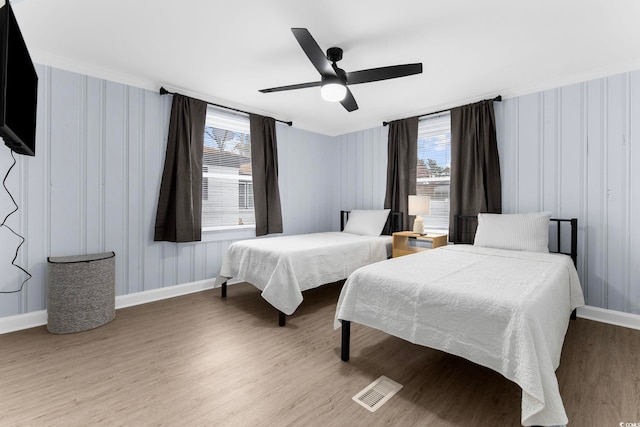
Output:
(506, 310)
(284, 266)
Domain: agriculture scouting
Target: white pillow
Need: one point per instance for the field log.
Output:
(366, 223)
(518, 232)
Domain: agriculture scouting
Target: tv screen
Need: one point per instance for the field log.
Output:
(18, 87)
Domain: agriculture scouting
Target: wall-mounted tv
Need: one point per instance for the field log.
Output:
(18, 87)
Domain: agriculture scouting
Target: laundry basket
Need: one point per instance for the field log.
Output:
(80, 292)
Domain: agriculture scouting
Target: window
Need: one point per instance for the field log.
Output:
(434, 169)
(227, 187)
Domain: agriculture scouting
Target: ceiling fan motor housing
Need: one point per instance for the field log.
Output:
(334, 54)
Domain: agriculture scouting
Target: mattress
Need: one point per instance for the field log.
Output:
(506, 310)
(283, 267)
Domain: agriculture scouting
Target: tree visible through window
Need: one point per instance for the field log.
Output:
(434, 169)
(227, 199)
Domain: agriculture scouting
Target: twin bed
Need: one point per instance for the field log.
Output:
(283, 267)
(503, 302)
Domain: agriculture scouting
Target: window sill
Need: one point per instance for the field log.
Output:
(216, 234)
(229, 228)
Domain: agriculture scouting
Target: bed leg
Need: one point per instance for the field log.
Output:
(282, 318)
(224, 290)
(574, 314)
(346, 335)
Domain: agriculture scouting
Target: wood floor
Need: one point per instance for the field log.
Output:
(198, 360)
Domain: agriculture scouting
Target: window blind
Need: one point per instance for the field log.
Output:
(434, 169)
(227, 187)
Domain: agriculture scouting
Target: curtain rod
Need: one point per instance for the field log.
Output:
(497, 98)
(163, 91)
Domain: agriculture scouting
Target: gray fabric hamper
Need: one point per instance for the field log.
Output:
(80, 292)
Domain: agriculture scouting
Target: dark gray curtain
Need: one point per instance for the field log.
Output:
(179, 215)
(264, 168)
(475, 166)
(402, 161)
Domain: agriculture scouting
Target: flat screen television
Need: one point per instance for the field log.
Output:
(18, 87)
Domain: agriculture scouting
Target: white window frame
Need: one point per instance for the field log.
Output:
(223, 119)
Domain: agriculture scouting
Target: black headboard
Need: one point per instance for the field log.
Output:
(394, 222)
(464, 232)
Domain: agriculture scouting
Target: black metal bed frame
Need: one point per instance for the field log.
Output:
(393, 224)
(464, 231)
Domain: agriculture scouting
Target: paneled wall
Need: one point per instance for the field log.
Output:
(91, 186)
(94, 182)
(360, 159)
(305, 172)
(572, 151)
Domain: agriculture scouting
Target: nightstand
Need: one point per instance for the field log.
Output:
(408, 242)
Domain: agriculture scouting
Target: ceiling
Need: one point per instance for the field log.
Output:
(225, 51)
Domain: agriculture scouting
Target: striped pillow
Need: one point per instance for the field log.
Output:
(517, 232)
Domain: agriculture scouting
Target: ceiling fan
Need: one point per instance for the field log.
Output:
(334, 80)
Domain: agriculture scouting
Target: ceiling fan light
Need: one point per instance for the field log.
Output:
(333, 91)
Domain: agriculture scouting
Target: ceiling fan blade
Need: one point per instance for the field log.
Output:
(383, 73)
(313, 51)
(349, 102)
(291, 87)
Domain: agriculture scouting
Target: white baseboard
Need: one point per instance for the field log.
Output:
(612, 317)
(138, 298)
(39, 318)
(19, 322)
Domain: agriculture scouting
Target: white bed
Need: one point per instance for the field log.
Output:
(283, 267)
(507, 310)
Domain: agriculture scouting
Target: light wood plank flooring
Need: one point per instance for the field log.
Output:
(198, 360)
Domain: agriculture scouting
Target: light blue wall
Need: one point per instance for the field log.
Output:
(93, 187)
(90, 187)
(305, 170)
(360, 160)
(100, 149)
(572, 150)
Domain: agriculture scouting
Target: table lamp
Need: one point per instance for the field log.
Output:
(418, 205)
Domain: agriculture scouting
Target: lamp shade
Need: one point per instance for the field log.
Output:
(418, 205)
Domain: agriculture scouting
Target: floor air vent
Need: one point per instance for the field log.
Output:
(377, 393)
